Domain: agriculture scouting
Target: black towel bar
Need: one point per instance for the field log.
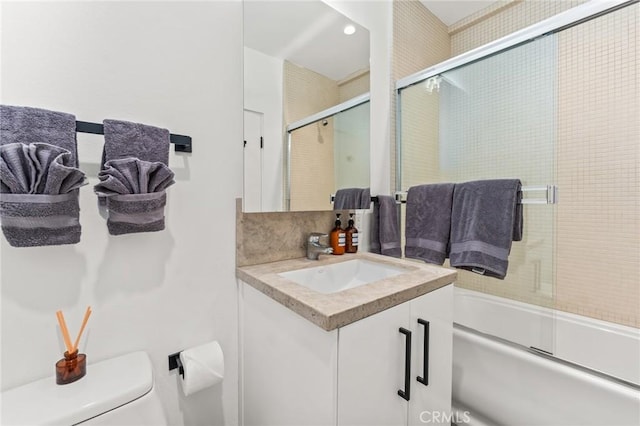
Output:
(182, 143)
(374, 199)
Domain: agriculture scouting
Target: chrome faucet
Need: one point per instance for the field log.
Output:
(315, 248)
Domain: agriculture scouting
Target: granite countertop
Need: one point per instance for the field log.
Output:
(331, 311)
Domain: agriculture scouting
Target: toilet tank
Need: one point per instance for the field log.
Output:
(115, 391)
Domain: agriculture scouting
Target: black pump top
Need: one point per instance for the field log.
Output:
(350, 219)
(338, 222)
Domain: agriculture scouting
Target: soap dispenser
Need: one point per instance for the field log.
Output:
(352, 236)
(338, 237)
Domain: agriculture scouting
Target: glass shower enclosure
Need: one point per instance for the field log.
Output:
(325, 152)
(536, 110)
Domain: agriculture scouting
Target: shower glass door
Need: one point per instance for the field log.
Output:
(326, 155)
(490, 119)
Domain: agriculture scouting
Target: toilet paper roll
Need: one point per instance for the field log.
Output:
(203, 367)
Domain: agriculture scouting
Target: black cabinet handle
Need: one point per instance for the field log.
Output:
(406, 393)
(425, 355)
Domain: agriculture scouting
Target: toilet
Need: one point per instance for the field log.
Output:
(117, 391)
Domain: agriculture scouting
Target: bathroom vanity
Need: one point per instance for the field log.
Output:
(375, 352)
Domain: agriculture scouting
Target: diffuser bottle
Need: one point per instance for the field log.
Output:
(71, 368)
(338, 237)
(352, 236)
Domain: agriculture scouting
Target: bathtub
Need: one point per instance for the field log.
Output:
(499, 380)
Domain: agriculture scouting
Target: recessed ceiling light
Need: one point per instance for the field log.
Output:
(349, 29)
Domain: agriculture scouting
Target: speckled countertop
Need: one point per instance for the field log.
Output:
(331, 311)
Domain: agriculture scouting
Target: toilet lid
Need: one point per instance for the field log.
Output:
(107, 385)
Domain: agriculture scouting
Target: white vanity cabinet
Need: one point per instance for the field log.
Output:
(373, 364)
(295, 373)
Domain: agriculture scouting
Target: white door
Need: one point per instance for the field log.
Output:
(252, 191)
(431, 376)
(371, 369)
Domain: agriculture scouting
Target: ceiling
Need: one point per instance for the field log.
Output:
(451, 11)
(310, 33)
(307, 33)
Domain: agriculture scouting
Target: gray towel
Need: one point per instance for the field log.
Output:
(123, 139)
(485, 219)
(385, 233)
(30, 125)
(352, 199)
(136, 194)
(428, 222)
(39, 195)
(127, 140)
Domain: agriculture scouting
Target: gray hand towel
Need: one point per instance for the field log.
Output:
(30, 125)
(38, 168)
(485, 219)
(352, 199)
(136, 194)
(39, 195)
(133, 176)
(428, 222)
(385, 233)
(124, 139)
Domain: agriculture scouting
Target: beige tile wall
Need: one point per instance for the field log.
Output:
(306, 93)
(354, 86)
(312, 154)
(420, 40)
(598, 152)
(501, 19)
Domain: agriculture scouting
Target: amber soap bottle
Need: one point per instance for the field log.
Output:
(338, 237)
(352, 236)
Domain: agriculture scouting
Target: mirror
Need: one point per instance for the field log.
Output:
(299, 67)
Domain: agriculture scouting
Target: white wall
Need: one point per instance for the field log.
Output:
(263, 82)
(172, 64)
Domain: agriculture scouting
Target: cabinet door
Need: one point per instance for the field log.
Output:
(371, 369)
(288, 365)
(431, 402)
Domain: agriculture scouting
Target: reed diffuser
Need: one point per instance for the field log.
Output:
(74, 365)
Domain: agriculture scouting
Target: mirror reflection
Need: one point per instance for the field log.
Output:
(298, 63)
(327, 154)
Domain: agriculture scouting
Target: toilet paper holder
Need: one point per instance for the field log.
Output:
(174, 362)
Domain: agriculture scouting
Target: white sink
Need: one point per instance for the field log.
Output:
(341, 276)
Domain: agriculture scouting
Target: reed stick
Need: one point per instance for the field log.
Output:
(84, 323)
(65, 331)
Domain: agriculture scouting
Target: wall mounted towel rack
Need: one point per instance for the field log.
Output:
(373, 199)
(182, 143)
(551, 195)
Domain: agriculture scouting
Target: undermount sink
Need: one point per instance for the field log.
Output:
(341, 276)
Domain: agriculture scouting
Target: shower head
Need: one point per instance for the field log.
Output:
(434, 83)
